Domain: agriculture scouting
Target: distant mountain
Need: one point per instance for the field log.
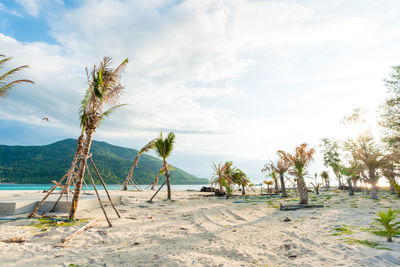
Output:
(41, 164)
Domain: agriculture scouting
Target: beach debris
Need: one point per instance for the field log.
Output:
(77, 232)
(15, 240)
(136, 244)
(102, 232)
(143, 206)
(40, 235)
(132, 218)
(287, 219)
(299, 206)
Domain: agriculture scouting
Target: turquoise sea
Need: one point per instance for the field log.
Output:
(99, 187)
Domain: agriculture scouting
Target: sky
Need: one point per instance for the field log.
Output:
(235, 80)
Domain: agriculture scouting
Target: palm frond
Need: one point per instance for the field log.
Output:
(107, 113)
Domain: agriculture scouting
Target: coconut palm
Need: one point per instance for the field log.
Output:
(268, 183)
(146, 148)
(5, 84)
(218, 176)
(299, 162)
(240, 178)
(280, 167)
(104, 88)
(163, 148)
(160, 171)
(227, 178)
(325, 177)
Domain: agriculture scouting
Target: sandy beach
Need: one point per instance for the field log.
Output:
(198, 230)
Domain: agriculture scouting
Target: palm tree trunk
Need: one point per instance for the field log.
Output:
(221, 189)
(243, 190)
(351, 191)
(155, 182)
(81, 174)
(372, 180)
(125, 184)
(283, 189)
(167, 179)
(302, 190)
(276, 185)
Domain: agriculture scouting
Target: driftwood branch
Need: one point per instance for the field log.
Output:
(77, 232)
(300, 206)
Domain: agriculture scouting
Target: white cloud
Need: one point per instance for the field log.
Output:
(35, 7)
(236, 79)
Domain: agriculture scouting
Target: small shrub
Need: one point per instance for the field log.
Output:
(387, 221)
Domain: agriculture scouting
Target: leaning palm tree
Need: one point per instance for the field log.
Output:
(299, 162)
(146, 148)
(218, 176)
(272, 169)
(5, 84)
(227, 178)
(104, 88)
(164, 148)
(240, 178)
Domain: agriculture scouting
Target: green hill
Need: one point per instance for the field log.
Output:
(41, 164)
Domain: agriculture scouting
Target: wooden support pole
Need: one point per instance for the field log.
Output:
(66, 187)
(77, 232)
(151, 199)
(105, 188)
(33, 213)
(98, 197)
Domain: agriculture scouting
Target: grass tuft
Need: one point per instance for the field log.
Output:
(342, 230)
(366, 243)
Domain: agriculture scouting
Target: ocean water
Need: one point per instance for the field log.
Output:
(99, 187)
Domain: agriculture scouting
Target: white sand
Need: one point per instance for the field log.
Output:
(204, 231)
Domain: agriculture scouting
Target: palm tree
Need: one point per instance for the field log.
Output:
(268, 183)
(146, 148)
(104, 87)
(325, 177)
(299, 161)
(227, 178)
(271, 168)
(218, 176)
(240, 178)
(5, 83)
(164, 148)
(280, 167)
(160, 171)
